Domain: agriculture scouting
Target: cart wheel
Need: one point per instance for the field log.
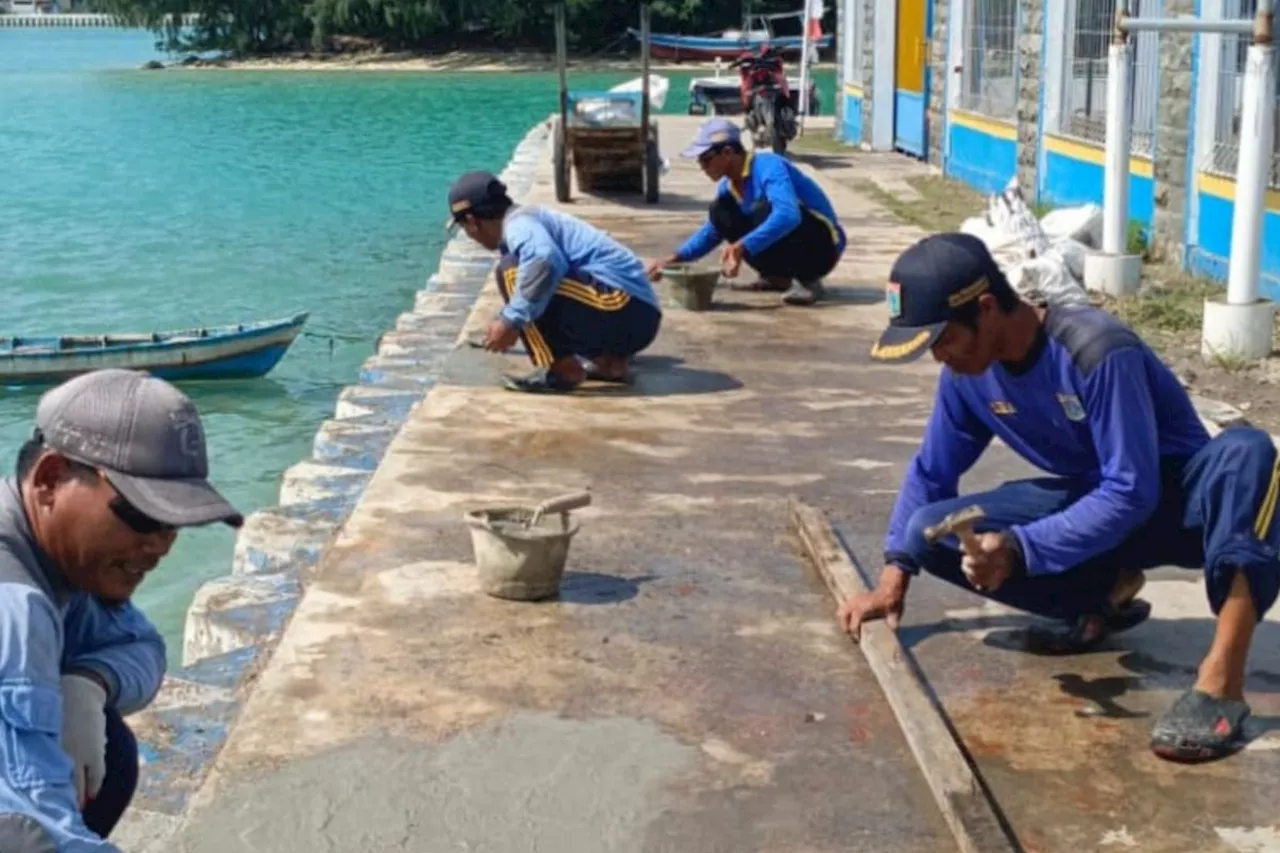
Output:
(652, 168)
(560, 164)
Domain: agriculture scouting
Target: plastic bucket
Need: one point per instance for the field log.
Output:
(691, 287)
(517, 562)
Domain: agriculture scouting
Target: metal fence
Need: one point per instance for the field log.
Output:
(989, 74)
(1226, 131)
(1084, 90)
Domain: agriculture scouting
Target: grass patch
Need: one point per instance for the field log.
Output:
(820, 142)
(942, 206)
(1168, 308)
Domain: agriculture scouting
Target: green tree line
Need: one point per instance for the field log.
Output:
(259, 27)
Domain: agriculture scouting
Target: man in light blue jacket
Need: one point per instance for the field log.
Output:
(116, 464)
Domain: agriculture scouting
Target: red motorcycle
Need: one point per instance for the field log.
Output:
(770, 111)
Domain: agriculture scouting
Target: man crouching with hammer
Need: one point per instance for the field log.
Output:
(1136, 480)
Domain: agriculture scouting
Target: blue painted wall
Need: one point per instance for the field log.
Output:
(980, 153)
(1068, 180)
(1213, 234)
(851, 119)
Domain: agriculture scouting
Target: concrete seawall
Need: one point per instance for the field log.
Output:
(234, 621)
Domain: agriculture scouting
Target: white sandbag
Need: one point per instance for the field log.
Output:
(1047, 280)
(1082, 223)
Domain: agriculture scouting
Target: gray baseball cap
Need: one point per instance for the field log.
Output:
(144, 435)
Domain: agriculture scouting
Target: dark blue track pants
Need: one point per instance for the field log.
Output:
(1217, 510)
(104, 811)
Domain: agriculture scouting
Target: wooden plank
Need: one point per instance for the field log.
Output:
(966, 805)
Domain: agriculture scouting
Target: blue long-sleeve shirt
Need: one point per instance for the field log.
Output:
(47, 630)
(1094, 405)
(551, 247)
(775, 179)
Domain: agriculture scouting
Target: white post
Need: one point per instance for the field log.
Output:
(804, 63)
(1253, 173)
(1115, 194)
(1241, 327)
(1113, 270)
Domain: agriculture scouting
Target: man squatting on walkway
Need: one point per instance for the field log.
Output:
(1137, 481)
(773, 216)
(116, 465)
(578, 299)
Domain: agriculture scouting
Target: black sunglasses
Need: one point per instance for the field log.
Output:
(135, 519)
(709, 155)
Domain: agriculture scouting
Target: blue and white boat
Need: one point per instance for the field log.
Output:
(757, 30)
(243, 351)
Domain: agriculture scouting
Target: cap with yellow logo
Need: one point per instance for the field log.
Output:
(931, 282)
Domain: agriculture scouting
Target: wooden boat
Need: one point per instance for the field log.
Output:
(242, 351)
(757, 30)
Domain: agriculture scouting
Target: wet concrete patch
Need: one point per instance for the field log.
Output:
(1062, 741)
(524, 782)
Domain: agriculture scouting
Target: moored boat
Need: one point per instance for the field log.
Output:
(240, 351)
(728, 44)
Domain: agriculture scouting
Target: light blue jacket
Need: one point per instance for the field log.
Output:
(47, 630)
(550, 247)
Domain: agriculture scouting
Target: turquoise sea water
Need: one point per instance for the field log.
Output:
(137, 200)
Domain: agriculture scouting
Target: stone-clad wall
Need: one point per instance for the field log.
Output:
(1173, 133)
(1030, 53)
(939, 72)
(234, 622)
(868, 64)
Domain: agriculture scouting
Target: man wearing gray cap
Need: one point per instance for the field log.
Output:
(115, 465)
(767, 212)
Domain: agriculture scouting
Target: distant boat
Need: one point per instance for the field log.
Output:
(606, 108)
(728, 44)
(243, 351)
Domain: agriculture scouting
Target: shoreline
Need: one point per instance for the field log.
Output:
(458, 61)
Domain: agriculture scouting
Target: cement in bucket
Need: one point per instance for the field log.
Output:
(520, 552)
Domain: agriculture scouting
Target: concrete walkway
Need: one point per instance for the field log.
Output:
(689, 690)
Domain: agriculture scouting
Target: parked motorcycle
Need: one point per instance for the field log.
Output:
(769, 110)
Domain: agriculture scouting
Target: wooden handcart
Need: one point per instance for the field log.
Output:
(606, 138)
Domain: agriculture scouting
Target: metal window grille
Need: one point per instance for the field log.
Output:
(1226, 135)
(989, 74)
(1084, 91)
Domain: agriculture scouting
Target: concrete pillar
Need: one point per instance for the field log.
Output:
(868, 36)
(938, 75)
(1173, 143)
(1030, 50)
(837, 109)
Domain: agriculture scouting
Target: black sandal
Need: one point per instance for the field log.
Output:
(1088, 632)
(539, 382)
(1198, 727)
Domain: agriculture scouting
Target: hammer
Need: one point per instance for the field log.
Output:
(961, 524)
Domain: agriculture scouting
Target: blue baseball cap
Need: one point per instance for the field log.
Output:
(713, 132)
(930, 284)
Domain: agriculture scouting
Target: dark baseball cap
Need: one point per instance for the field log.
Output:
(477, 193)
(931, 282)
(144, 435)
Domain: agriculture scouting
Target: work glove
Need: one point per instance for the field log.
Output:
(84, 733)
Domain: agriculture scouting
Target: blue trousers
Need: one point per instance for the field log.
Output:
(584, 319)
(1216, 512)
(104, 811)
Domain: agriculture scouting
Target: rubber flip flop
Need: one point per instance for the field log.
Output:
(1198, 727)
(539, 382)
(1078, 639)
